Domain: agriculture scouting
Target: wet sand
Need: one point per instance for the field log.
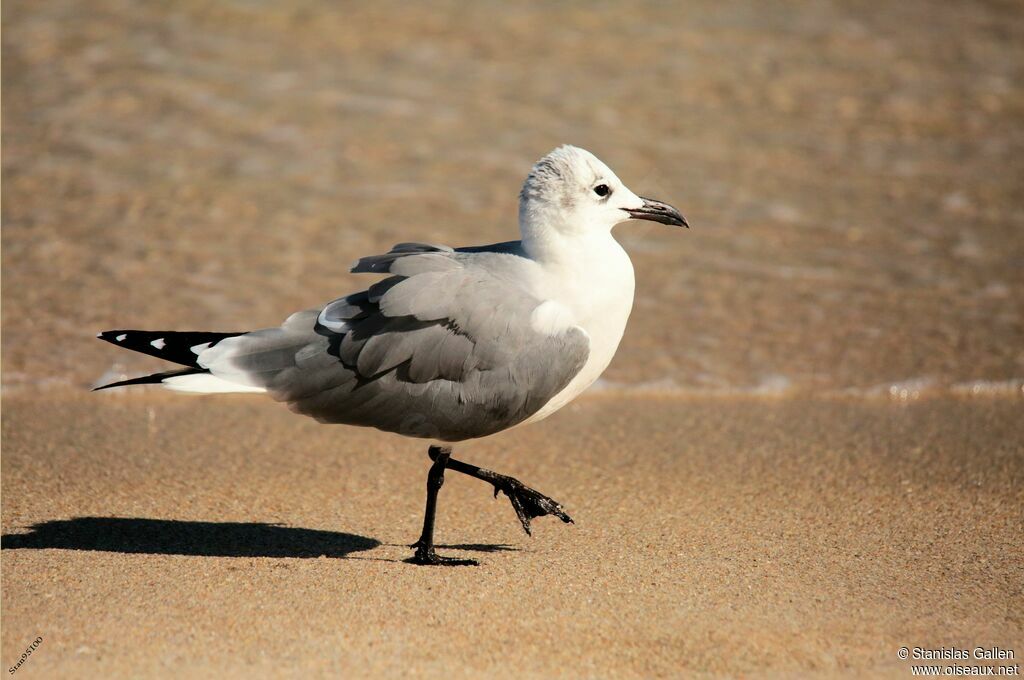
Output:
(852, 172)
(727, 536)
(807, 452)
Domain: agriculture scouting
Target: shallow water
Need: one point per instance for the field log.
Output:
(853, 174)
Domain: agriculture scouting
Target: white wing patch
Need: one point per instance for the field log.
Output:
(336, 325)
(551, 318)
(205, 383)
(198, 349)
(218, 360)
(158, 343)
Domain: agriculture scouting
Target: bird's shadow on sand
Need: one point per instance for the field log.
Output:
(479, 547)
(134, 535)
(177, 537)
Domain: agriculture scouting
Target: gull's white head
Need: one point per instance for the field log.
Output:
(572, 192)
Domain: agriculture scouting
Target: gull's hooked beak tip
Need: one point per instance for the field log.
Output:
(656, 211)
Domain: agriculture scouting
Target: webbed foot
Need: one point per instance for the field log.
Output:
(527, 502)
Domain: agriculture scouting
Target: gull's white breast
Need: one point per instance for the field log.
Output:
(594, 291)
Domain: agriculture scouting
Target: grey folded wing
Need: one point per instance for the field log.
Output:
(443, 348)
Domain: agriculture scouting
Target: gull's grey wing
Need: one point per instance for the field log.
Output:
(443, 348)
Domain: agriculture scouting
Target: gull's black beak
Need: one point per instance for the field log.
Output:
(656, 211)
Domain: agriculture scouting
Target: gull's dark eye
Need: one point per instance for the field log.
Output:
(602, 190)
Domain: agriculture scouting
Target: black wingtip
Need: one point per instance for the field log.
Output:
(149, 379)
(112, 336)
(176, 346)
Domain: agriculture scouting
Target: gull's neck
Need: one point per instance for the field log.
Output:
(585, 268)
(561, 246)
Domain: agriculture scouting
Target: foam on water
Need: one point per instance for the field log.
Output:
(918, 388)
(769, 386)
(990, 388)
(773, 386)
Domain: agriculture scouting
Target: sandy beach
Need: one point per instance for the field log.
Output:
(807, 453)
(737, 537)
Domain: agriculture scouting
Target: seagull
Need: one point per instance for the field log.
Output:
(454, 343)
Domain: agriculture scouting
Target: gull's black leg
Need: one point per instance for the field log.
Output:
(527, 502)
(425, 553)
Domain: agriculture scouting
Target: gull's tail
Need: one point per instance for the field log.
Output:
(180, 347)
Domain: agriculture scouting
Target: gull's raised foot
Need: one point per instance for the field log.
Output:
(527, 502)
(429, 557)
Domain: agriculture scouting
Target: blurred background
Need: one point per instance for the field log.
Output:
(853, 173)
